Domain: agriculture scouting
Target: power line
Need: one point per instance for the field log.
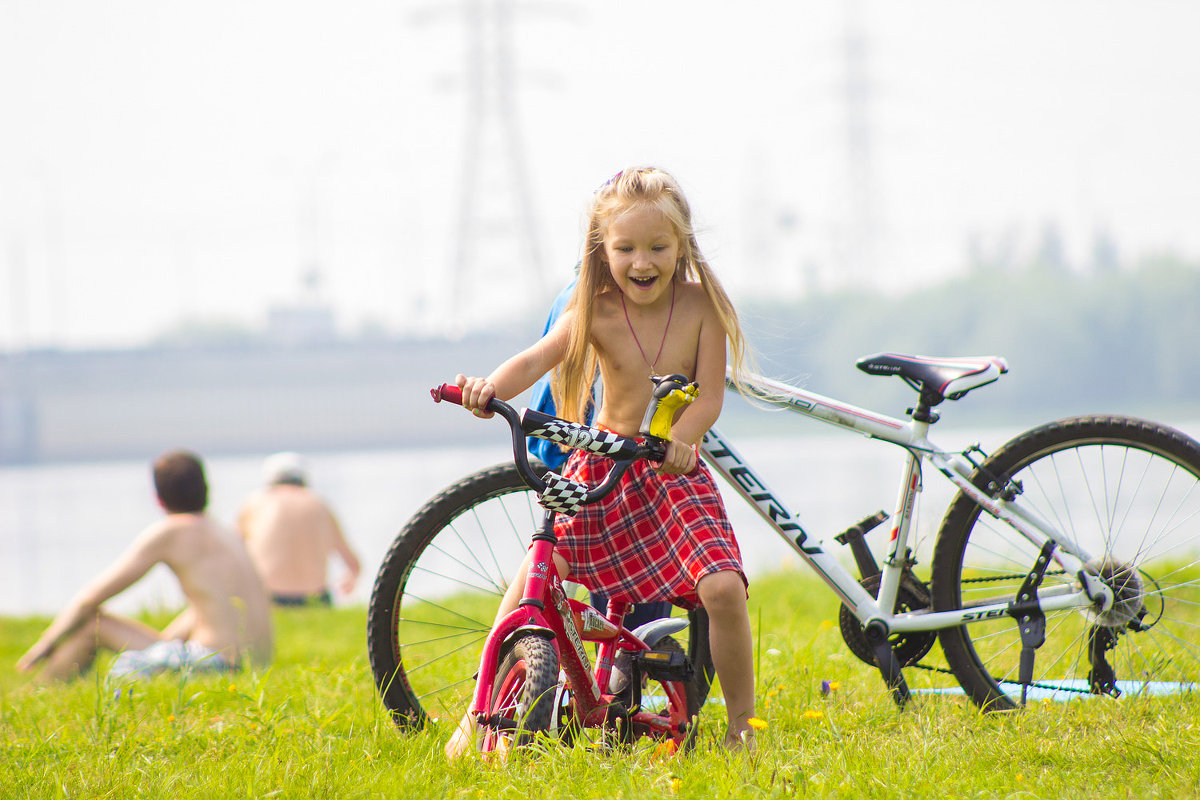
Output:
(496, 228)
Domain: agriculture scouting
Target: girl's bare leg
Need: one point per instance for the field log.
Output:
(724, 596)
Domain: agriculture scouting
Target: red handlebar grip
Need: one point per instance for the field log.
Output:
(447, 392)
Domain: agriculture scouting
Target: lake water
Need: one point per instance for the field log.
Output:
(61, 523)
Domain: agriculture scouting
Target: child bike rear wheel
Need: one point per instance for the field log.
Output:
(675, 702)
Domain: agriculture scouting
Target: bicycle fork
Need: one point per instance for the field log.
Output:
(528, 618)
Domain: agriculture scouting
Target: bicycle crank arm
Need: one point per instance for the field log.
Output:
(885, 659)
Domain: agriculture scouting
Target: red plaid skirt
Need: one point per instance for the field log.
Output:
(652, 538)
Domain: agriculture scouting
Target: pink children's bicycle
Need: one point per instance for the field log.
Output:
(535, 675)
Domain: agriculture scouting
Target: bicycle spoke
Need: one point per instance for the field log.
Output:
(485, 581)
(459, 631)
(442, 656)
(461, 583)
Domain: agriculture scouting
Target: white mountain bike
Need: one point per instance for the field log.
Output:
(1066, 564)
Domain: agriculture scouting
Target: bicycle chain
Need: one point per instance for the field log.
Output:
(1047, 687)
(996, 579)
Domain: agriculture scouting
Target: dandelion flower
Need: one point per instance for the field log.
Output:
(756, 723)
(814, 713)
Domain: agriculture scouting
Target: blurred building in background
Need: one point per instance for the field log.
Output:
(238, 398)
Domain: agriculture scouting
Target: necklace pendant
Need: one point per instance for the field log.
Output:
(662, 343)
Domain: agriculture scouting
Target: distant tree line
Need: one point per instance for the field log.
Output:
(1105, 336)
(1122, 339)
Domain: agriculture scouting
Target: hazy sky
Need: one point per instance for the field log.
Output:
(162, 159)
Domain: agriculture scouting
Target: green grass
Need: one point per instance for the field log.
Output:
(311, 726)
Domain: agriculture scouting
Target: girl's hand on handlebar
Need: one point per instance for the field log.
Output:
(680, 460)
(476, 392)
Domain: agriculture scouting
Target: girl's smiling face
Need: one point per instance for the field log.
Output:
(642, 252)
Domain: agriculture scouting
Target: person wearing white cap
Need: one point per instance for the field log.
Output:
(290, 533)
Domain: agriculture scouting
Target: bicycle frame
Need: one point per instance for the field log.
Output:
(912, 436)
(545, 610)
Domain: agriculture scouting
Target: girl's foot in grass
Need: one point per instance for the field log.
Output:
(462, 741)
(740, 739)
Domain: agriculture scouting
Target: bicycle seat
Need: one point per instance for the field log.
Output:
(937, 378)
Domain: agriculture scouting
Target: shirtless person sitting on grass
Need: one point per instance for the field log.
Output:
(291, 533)
(226, 623)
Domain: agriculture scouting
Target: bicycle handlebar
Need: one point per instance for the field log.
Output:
(670, 394)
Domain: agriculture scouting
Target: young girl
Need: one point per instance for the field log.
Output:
(646, 303)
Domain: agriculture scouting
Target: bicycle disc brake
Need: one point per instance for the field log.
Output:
(908, 647)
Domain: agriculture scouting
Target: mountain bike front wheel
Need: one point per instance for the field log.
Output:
(438, 587)
(1125, 490)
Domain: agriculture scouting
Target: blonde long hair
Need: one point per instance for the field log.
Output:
(573, 378)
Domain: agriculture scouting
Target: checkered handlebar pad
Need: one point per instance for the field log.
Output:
(576, 436)
(562, 495)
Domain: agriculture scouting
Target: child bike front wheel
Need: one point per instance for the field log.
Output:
(522, 703)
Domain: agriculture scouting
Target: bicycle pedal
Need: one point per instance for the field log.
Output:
(665, 666)
(862, 527)
(855, 537)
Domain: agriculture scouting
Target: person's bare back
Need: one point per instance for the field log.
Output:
(290, 533)
(231, 612)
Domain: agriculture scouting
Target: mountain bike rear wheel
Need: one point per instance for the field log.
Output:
(1124, 489)
(437, 590)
